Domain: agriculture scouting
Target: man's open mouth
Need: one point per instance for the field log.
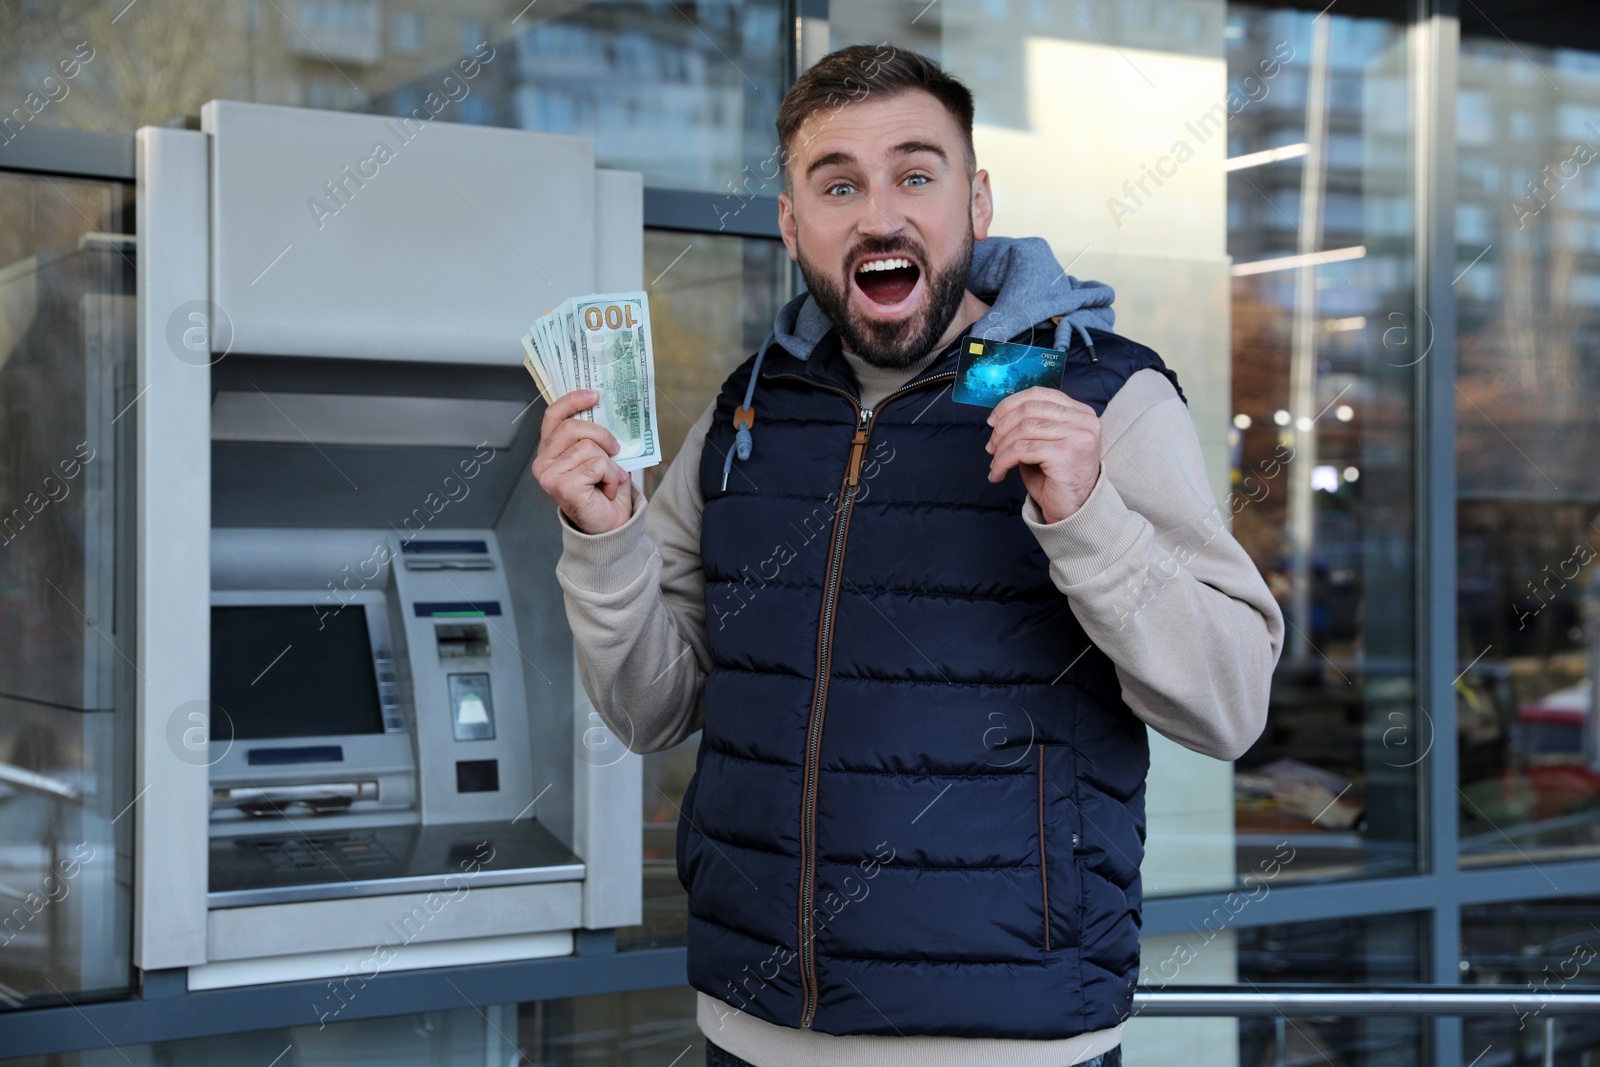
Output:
(887, 280)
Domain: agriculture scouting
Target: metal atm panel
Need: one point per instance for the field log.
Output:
(318, 249)
(356, 428)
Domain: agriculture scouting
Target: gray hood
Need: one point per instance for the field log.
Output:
(1018, 276)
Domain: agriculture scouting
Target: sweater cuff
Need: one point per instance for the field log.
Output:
(1091, 540)
(606, 562)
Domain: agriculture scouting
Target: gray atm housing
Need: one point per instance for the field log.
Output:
(334, 439)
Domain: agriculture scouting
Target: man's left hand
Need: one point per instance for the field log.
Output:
(1054, 441)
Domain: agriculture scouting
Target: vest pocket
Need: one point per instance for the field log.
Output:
(1044, 857)
(1060, 871)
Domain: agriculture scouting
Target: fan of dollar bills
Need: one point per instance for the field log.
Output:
(602, 342)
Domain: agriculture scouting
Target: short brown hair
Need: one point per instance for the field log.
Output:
(853, 74)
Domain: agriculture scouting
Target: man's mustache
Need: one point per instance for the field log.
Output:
(885, 247)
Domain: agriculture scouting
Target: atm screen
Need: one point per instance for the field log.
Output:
(281, 671)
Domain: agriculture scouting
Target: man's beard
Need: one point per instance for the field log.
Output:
(893, 345)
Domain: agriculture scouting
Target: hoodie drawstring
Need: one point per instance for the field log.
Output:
(744, 417)
(1083, 332)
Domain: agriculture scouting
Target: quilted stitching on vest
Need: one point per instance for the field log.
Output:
(978, 813)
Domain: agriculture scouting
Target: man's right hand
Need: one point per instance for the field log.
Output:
(575, 467)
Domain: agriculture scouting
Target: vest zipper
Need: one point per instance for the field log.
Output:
(819, 700)
(819, 696)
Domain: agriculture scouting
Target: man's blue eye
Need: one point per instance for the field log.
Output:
(917, 178)
(837, 186)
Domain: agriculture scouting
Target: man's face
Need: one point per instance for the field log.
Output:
(881, 218)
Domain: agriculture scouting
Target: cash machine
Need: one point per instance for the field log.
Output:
(362, 744)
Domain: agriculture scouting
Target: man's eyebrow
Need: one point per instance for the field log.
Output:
(830, 160)
(904, 148)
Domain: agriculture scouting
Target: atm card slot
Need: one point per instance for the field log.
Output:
(449, 564)
(462, 640)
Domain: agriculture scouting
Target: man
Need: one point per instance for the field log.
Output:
(926, 637)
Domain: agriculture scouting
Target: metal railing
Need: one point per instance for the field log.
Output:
(1304, 1000)
(1284, 1002)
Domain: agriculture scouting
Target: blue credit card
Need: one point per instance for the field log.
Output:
(989, 371)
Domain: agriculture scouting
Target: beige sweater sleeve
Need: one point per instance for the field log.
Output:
(1158, 582)
(635, 600)
(1152, 575)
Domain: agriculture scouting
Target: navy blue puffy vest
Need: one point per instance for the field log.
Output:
(918, 804)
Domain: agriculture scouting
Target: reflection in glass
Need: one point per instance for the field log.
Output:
(1381, 950)
(1324, 349)
(1218, 950)
(685, 93)
(1528, 321)
(644, 1029)
(651, 1028)
(712, 301)
(640, 1029)
(1542, 946)
(66, 586)
(1276, 1041)
(489, 1035)
(1389, 1041)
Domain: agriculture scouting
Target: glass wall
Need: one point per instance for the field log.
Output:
(1320, 235)
(651, 1028)
(685, 93)
(647, 1030)
(1528, 310)
(424, 1039)
(66, 649)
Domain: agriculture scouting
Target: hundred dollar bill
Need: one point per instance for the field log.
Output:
(565, 354)
(535, 368)
(602, 342)
(555, 357)
(612, 334)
